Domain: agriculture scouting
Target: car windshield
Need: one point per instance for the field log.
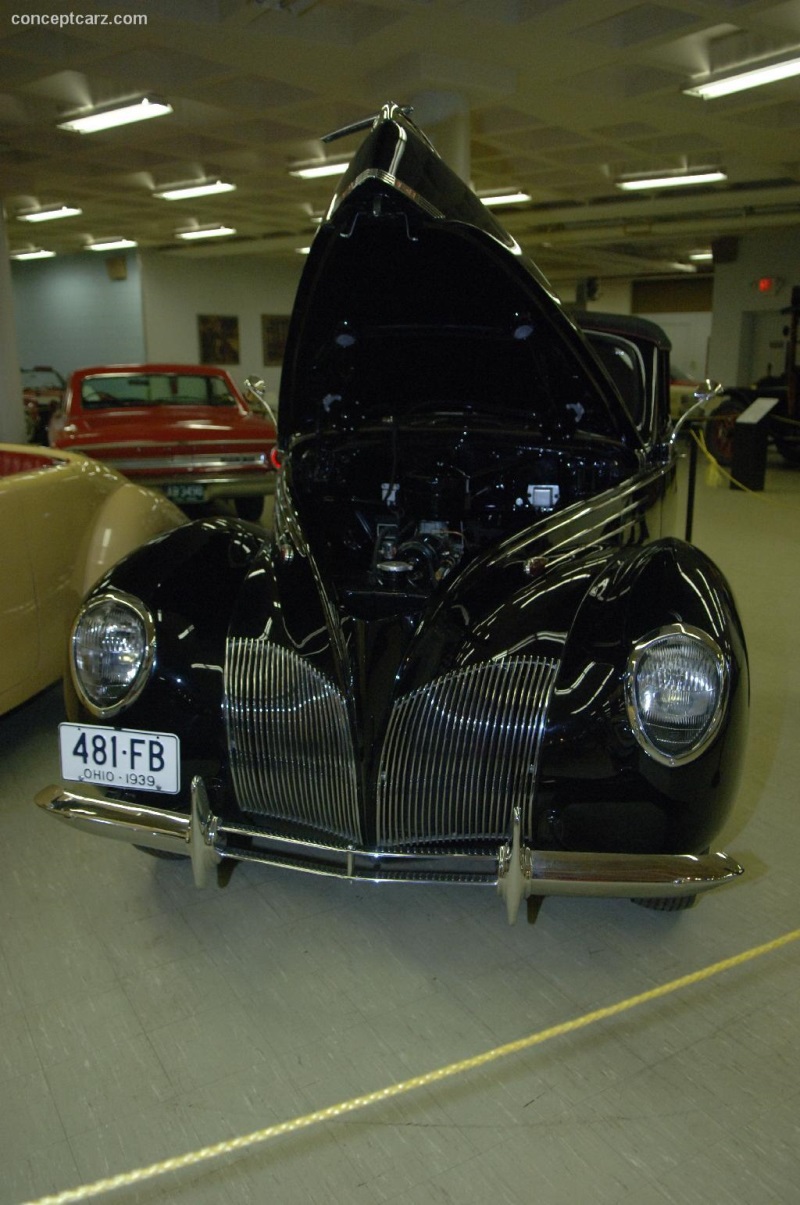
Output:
(108, 390)
(37, 379)
(623, 363)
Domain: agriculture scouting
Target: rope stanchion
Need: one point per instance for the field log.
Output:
(332, 1112)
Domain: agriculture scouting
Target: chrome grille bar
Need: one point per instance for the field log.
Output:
(462, 752)
(289, 739)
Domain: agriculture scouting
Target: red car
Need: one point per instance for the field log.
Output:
(182, 428)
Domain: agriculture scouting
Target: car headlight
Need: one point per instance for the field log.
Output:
(676, 688)
(112, 649)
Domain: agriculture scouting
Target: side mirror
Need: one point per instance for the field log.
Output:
(255, 392)
(702, 396)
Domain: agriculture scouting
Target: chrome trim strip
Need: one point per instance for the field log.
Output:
(375, 173)
(616, 515)
(179, 460)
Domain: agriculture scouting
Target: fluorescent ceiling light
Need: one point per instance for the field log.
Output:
(504, 198)
(701, 257)
(302, 250)
(316, 170)
(683, 180)
(49, 215)
(33, 253)
(204, 188)
(206, 232)
(746, 77)
(111, 244)
(119, 115)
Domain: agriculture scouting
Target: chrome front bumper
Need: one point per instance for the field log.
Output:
(517, 871)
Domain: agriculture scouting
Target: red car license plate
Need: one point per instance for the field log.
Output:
(185, 493)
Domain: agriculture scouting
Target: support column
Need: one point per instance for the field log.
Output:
(444, 116)
(12, 418)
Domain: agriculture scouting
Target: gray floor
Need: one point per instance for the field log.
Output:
(141, 1019)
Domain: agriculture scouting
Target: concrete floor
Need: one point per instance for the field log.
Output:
(140, 1019)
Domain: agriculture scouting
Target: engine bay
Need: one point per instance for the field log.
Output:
(394, 510)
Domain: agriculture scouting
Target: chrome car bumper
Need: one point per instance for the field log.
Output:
(516, 871)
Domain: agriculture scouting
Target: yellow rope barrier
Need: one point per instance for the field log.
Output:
(700, 439)
(257, 1137)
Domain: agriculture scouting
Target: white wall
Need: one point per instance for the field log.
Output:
(176, 289)
(70, 313)
(689, 333)
(739, 308)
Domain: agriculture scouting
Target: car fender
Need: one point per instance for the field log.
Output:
(589, 738)
(188, 579)
(129, 517)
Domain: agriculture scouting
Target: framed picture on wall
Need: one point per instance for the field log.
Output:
(274, 329)
(219, 339)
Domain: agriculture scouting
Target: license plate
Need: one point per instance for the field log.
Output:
(120, 757)
(190, 492)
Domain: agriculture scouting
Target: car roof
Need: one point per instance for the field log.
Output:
(630, 325)
(188, 369)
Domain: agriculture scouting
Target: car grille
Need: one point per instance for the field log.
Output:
(460, 754)
(289, 739)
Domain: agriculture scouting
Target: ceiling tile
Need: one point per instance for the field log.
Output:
(625, 81)
(642, 23)
(557, 95)
(160, 67)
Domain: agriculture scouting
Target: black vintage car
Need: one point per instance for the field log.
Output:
(472, 651)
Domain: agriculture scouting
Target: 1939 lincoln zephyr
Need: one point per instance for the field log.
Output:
(471, 650)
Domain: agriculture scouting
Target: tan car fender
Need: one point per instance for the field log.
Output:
(129, 517)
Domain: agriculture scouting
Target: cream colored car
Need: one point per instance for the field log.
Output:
(64, 521)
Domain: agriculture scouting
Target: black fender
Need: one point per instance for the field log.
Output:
(189, 580)
(599, 789)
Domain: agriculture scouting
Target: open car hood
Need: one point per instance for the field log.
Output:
(415, 301)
